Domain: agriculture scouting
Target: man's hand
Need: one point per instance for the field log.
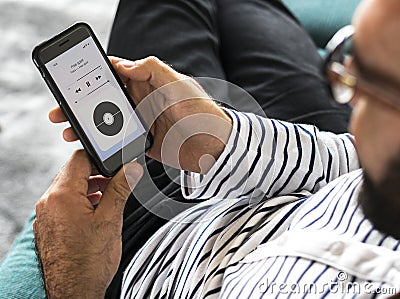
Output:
(80, 245)
(190, 130)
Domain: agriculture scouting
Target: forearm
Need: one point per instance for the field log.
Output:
(60, 280)
(64, 289)
(267, 157)
(79, 246)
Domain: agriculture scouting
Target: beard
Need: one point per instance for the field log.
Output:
(380, 202)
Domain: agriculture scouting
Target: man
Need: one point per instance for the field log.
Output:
(265, 51)
(261, 232)
(256, 44)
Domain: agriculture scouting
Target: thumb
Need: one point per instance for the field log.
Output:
(118, 190)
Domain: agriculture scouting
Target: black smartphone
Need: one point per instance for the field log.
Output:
(92, 97)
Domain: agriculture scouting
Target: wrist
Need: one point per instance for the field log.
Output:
(65, 282)
(213, 145)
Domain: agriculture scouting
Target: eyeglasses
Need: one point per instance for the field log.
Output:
(340, 70)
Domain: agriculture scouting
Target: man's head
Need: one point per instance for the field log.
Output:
(375, 124)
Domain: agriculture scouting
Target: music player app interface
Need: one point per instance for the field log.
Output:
(95, 98)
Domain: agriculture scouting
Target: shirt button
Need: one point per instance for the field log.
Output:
(337, 248)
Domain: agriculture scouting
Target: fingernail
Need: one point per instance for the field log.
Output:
(127, 63)
(133, 172)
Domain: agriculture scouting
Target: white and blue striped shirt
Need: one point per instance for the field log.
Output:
(281, 220)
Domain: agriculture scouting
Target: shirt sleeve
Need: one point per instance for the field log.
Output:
(265, 157)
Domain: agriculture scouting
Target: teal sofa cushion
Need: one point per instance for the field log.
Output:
(322, 18)
(20, 275)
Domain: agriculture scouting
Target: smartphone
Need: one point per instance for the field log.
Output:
(92, 97)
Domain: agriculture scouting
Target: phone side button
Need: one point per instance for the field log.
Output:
(43, 74)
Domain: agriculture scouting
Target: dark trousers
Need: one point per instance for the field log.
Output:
(255, 44)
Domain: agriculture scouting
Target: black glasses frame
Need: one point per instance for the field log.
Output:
(344, 83)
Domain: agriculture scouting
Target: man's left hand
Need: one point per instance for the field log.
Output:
(80, 245)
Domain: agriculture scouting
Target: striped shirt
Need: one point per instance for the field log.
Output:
(281, 220)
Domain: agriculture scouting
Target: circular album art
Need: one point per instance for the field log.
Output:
(108, 118)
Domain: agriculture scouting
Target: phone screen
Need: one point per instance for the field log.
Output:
(95, 98)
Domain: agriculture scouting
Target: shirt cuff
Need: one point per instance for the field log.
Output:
(221, 177)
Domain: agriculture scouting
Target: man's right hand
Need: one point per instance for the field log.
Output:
(189, 129)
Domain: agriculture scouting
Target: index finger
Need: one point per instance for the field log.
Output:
(114, 60)
(57, 116)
